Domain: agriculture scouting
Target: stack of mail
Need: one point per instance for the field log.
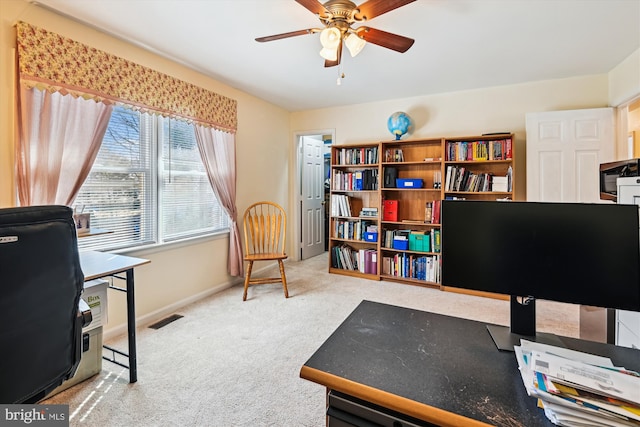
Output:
(579, 389)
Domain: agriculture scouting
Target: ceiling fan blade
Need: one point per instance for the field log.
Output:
(328, 63)
(285, 35)
(314, 6)
(382, 38)
(372, 8)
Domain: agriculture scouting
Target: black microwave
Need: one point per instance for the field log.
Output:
(611, 171)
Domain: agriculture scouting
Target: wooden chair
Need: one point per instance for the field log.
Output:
(265, 225)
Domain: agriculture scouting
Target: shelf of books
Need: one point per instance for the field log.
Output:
(354, 211)
(411, 254)
(479, 168)
(386, 198)
(411, 193)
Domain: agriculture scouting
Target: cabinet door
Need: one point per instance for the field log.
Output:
(564, 152)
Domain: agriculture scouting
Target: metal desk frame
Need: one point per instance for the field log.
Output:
(97, 265)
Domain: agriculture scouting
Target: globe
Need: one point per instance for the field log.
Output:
(399, 124)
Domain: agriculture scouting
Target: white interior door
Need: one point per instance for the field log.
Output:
(312, 223)
(564, 152)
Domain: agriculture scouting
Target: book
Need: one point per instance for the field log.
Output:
(362, 261)
(496, 148)
(369, 212)
(437, 179)
(507, 149)
(371, 263)
(447, 182)
(459, 179)
(357, 182)
(435, 216)
(340, 205)
(386, 265)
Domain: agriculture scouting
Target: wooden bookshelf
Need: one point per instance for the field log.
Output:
(421, 165)
(354, 185)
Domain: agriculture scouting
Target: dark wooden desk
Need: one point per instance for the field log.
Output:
(96, 265)
(438, 369)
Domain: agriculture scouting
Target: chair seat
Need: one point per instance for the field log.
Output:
(265, 257)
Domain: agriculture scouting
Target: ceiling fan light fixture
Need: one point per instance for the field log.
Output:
(330, 38)
(329, 54)
(355, 44)
(337, 18)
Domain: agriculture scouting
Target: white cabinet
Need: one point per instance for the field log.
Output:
(628, 322)
(628, 328)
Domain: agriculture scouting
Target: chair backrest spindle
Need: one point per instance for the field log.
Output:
(265, 228)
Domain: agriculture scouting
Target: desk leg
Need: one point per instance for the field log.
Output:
(131, 327)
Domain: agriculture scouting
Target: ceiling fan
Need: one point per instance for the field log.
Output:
(338, 16)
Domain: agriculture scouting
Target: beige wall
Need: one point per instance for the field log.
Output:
(624, 80)
(478, 111)
(181, 273)
(624, 86)
(461, 113)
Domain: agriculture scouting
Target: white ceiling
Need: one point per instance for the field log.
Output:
(459, 44)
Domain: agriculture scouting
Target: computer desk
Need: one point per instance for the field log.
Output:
(430, 369)
(97, 265)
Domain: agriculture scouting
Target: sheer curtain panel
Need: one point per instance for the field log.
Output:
(218, 152)
(59, 138)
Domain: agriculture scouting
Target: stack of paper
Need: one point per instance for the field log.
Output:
(500, 183)
(579, 389)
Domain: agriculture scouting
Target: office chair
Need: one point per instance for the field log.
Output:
(265, 225)
(40, 317)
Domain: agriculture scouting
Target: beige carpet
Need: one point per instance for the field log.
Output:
(229, 363)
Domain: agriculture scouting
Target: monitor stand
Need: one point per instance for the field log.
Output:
(504, 339)
(523, 326)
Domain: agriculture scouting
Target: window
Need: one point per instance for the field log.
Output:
(148, 185)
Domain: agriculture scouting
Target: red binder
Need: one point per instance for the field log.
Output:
(390, 210)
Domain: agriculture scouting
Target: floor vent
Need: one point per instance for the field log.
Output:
(166, 321)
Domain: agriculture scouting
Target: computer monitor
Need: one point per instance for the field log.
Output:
(578, 253)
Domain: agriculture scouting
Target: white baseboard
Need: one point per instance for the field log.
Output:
(150, 318)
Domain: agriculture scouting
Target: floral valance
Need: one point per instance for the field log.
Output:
(50, 61)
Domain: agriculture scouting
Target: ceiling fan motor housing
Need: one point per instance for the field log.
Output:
(340, 10)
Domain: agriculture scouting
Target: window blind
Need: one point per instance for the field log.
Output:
(147, 185)
(119, 189)
(188, 204)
